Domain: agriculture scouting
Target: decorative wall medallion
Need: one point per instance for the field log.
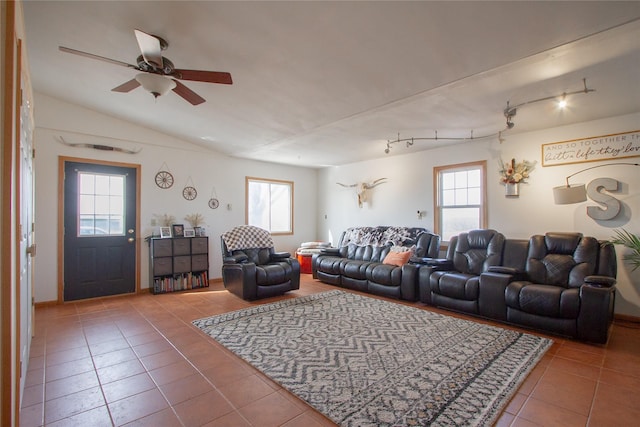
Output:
(189, 193)
(214, 203)
(164, 179)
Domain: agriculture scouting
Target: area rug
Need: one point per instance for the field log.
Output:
(364, 361)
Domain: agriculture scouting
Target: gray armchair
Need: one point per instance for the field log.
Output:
(252, 269)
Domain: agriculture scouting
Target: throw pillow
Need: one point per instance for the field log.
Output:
(397, 258)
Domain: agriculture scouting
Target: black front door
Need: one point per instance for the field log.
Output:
(99, 230)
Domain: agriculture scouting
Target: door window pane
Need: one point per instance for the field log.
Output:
(100, 204)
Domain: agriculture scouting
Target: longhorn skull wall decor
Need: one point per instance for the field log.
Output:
(362, 188)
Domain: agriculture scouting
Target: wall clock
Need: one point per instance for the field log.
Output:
(189, 193)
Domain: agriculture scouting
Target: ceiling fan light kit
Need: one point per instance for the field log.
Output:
(155, 84)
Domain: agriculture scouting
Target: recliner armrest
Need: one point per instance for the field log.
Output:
(504, 270)
(234, 259)
(330, 251)
(513, 272)
(600, 281)
(279, 256)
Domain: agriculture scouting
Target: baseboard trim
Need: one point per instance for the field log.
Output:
(625, 318)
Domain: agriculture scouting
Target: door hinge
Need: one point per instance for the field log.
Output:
(33, 153)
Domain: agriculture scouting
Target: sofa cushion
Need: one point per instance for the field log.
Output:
(455, 285)
(273, 274)
(355, 269)
(385, 274)
(543, 300)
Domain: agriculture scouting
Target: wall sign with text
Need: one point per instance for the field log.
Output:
(605, 147)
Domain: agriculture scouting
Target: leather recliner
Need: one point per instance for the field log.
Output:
(568, 286)
(256, 271)
(456, 286)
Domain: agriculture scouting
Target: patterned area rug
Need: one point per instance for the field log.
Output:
(367, 362)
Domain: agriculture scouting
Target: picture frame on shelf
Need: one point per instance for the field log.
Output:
(165, 232)
(199, 231)
(189, 232)
(178, 230)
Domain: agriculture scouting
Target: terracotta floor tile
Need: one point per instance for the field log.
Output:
(67, 355)
(113, 358)
(32, 395)
(170, 373)
(573, 367)
(515, 404)
(32, 416)
(186, 388)
(226, 371)
(620, 379)
(72, 384)
(232, 419)
(544, 414)
(68, 369)
(308, 419)
(137, 406)
(96, 417)
(161, 359)
(72, 404)
(34, 377)
(581, 355)
(108, 346)
(610, 411)
(271, 410)
(126, 387)
(245, 390)
(120, 371)
(567, 391)
(144, 338)
(164, 418)
(152, 347)
(202, 409)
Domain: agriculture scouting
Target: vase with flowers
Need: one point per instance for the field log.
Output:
(513, 173)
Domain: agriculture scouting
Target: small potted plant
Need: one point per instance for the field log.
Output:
(631, 241)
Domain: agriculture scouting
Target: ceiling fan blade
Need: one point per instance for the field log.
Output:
(126, 87)
(150, 48)
(189, 95)
(204, 76)
(98, 57)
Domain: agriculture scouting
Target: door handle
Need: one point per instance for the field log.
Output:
(131, 239)
(130, 231)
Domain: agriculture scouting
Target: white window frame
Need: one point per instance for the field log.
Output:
(270, 182)
(437, 192)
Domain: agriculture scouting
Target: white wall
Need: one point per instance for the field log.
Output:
(410, 188)
(207, 170)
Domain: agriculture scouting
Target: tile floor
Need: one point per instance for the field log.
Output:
(137, 361)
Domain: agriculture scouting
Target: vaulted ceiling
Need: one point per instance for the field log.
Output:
(329, 83)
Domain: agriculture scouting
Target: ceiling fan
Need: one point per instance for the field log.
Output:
(158, 73)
